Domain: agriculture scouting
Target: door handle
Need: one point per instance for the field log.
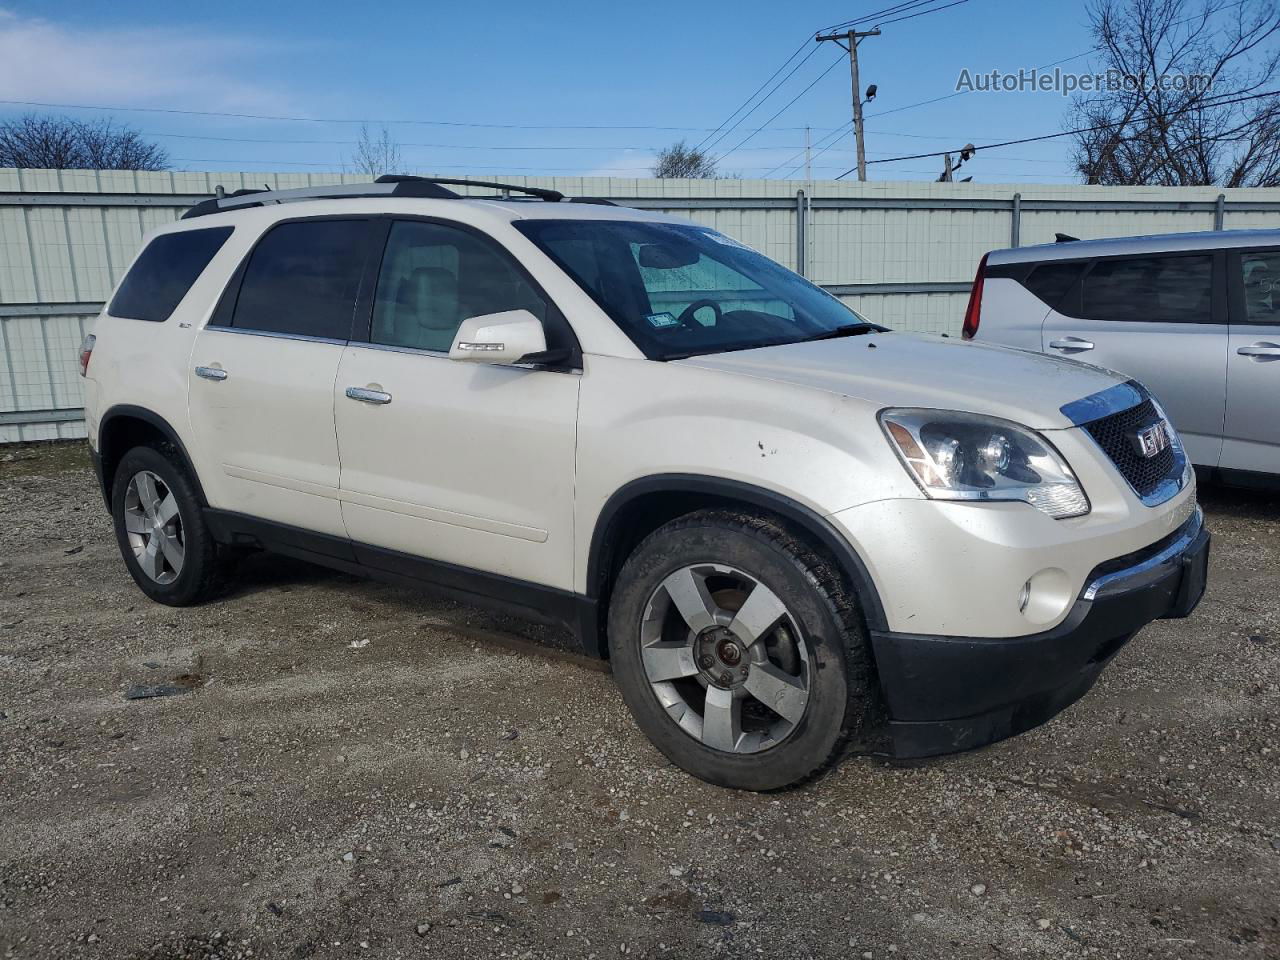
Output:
(211, 373)
(366, 395)
(1261, 351)
(1071, 343)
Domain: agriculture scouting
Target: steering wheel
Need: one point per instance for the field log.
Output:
(686, 319)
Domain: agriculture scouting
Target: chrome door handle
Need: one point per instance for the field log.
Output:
(1260, 350)
(211, 373)
(365, 395)
(1071, 343)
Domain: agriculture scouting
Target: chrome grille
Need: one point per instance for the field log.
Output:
(1114, 434)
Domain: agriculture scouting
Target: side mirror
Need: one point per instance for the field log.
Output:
(500, 338)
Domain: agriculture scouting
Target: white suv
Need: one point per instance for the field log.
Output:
(792, 531)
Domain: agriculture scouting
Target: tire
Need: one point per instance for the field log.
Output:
(196, 571)
(813, 665)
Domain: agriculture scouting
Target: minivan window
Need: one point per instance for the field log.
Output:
(1261, 275)
(302, 279)
(1053, 281)
(164, 272)
(679, 290)
(434, 276)
(1151, 289)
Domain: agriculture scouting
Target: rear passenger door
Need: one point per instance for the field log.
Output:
(1252, 436)
(1161, 320)
(466, 463)
(263, 369)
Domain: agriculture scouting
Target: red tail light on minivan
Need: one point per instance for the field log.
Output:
(86, 351)
(973, 315)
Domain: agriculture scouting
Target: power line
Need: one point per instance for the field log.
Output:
(433, 123)
(776, 87)
(749, 136)
(912, 16)
(755, 94)
(887, 11)
(1069, 133)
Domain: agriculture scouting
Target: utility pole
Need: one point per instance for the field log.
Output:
(849, 41)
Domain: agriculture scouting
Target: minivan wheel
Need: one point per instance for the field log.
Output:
(739, 652)
(160, 529)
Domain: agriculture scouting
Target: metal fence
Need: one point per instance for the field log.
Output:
(902, 254)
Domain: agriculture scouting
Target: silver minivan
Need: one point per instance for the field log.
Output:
(1194, 317)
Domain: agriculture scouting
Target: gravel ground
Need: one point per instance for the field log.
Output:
(353, 769)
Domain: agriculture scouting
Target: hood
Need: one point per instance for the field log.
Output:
(918, 370)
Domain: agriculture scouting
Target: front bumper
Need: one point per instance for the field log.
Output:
(946, 694)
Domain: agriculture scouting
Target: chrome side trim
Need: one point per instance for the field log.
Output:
(1150, 570)
(273, 335)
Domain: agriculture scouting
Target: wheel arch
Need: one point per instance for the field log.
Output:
(641, 506)
(125, 426)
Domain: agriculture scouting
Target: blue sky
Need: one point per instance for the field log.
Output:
(664, 70)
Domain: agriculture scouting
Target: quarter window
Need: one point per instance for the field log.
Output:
(435, 276)
(1052, 282)
(1151, 289)
(164, 272)
(1261, 275)
(302, 279)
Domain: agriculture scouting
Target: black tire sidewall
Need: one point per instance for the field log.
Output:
(827, 718)
(198, 546)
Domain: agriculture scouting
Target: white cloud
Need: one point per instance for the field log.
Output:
(144, 66)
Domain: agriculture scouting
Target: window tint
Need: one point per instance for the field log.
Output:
(1261, 275)
(1155, 289)
(434, 276)
(302, 278)
(164, 272)
(1051, 282)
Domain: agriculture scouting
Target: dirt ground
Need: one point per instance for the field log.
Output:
(356, 770)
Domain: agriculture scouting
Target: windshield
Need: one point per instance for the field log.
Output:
(679, 290)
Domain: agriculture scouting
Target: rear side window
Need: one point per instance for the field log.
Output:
(1151, 289)
(302, 279)
(164, 272)
(1053, 282)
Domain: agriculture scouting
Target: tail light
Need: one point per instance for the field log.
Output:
(86, 351)
(973, 315)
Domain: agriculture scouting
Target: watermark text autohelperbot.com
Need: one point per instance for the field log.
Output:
(1066, 83)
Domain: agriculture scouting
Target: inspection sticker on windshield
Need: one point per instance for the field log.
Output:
(661, 320)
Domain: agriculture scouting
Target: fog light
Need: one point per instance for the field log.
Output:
(1046, 596)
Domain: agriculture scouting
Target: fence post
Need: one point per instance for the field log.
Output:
(1015, 227)
(802, 244)
(1220, 212)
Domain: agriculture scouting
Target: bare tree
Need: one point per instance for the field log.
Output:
(60, 143)
(682, 160)
(1164, 119)
(376, 155)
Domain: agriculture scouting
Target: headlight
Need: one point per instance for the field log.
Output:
(963, 456)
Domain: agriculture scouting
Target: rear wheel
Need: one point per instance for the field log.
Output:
(738, 651)
(161, 531)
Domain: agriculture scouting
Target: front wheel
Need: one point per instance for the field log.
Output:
(160, 529)
(738, 651)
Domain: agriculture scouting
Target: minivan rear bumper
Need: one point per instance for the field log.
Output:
(947, 694)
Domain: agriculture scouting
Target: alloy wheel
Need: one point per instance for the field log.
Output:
(725, 658)
(153, 524)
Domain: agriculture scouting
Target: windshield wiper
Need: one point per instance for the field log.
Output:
(845, 330)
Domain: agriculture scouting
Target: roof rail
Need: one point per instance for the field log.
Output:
(389, 185)
(416, 187)
(551, 196)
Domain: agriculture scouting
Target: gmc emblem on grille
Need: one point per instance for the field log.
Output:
(1149, 441)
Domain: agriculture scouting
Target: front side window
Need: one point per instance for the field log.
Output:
(435, 276)
(302, 279)
(680, 290)
(1261, 275)
(1170, 289)
(164, 272)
